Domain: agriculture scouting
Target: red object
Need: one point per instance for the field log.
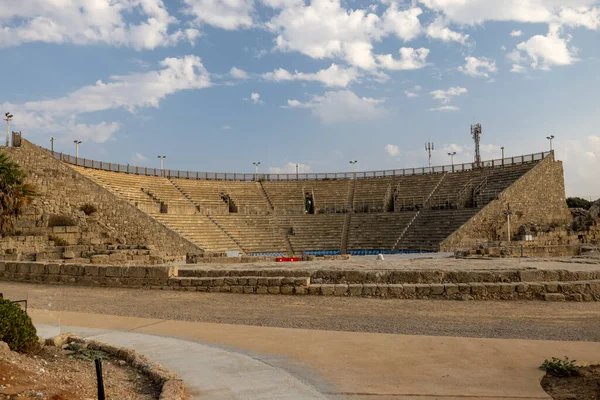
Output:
(286, 259)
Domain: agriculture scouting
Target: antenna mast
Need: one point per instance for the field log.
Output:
(476, 135)
(429, 149)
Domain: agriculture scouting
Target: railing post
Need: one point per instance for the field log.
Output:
(522, 159)
(110, 166)
(118, 167)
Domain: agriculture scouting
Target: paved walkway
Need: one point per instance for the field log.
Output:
(208, 372)
(340, 365)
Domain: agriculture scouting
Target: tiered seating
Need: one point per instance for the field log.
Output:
(376, 231)
(413, 190)
(200, 230)
(204, 194)
(287, 197)
(330, 196)
(256, 234)
(313, 232)
(248, 197)
(147, 192)
(499, 180)
(369, 194)
(431, 227)
(447, 194)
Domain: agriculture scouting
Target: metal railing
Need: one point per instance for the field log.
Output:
(244, 177)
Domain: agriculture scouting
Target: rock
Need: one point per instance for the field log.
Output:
(4, 349)
(379, 257)
(61, 340)
(122, 363)
(68, 255)
(595, 209)
(172, 390)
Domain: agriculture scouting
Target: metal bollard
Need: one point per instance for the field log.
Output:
(99, 378)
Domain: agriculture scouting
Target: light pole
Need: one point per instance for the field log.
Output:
(7, 117)
(52, 144)
(256, 164)
(547, 137)
(162, 162)
(297, 171)
(502, 148)
(452, 154)
(77, 143)
(429, 148)
(354, 167)
(508, 213)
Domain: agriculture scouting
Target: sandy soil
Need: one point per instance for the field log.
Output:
(52, 374)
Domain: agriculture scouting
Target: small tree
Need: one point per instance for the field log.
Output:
(578, 202)
(16, 328)
(14, 193)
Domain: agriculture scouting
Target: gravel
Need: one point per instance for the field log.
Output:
(485, 319)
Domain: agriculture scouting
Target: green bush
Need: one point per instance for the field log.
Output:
(578, 202)
(88, 208)
(58, 241)
(61, 220)
(558, 367)
(16, 328)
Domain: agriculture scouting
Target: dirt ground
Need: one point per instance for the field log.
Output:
(54, 374)
(585, 386)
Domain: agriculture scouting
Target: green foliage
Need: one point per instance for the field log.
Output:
(58, 241)
(88, 208)
(558, 367)
(81, 353)
(14, 193)
(16, 328)
(61, 220)
(578, 202)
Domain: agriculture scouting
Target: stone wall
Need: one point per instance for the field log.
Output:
(62, 191)
(538, 197)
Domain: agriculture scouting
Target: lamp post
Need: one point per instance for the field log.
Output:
(77, 143)
(162, 162)
(550, 139)
(52, 144)
(502, 148)
(452, 154)
(508, 213)
(7, 117)
(354, 167)
(297, 170)
(429, 147)
(256, 164)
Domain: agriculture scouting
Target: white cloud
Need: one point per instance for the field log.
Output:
(226, 127)
(543, 52)
(341, 106)
(254, 98)
(413, 91)
(516, 33)
(478, 11)
(478, 67)
(332, 76)
(438, 29)
(404, 24)
(518, 69)
(444, 108)
(90, 21)
(392, 149)
(581, 160)
(130, 92)
(238, 73)
(409, 59)
(580, 16)
(230, 14)
(290, 168)
(445, 96)
(138, 158)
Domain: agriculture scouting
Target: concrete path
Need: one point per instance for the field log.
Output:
(208, 372)
(352, 365)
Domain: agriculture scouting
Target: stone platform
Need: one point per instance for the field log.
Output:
(424, 278)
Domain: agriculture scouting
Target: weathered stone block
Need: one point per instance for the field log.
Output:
(478, 289)
(340, 290)
(354, 276)
(314, 289)
(507, 287)
(451, 289)
(464, 288)
(551, 287)
(382, 290)
(237, 289)
(409, 289)
(302, 281)
(273, 289)
(370, 289)
(554, 297)
(262, 290)
(112, 271)
(424, 289)
(327, 290)
(276, 281)
(248, 289)
(355, 289)
(565, 287)
(90, 270)
(395, 290)
(286, 289)
(531, 275)
(136, 272)
(301, 290)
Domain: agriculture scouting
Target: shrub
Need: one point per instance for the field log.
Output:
(558, 367)
(61, 220)
(58, 241)
(88, 208)
(16, 328)
(578, 202)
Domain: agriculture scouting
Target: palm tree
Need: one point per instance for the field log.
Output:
(14, 193)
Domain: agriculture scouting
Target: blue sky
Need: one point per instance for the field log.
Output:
(215, 85)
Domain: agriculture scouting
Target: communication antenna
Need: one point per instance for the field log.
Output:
(429, 149)
(476, 135)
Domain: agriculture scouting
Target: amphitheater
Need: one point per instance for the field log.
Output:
(235, 225)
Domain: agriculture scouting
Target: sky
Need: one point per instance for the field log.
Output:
(215, 85)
